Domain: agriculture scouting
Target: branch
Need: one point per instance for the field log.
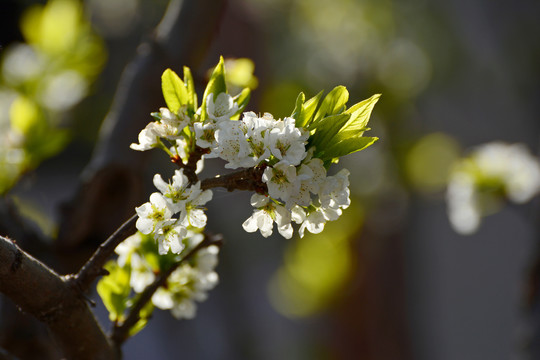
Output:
(94, 266)
(39, 291)
(191, 166)
(247, 180)
(121, 332)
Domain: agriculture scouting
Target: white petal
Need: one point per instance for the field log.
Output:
(162, 299)
(258, 200)
(160, 184)
(144, 225)
(250, 225)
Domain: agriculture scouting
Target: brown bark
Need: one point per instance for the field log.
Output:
(49, 297)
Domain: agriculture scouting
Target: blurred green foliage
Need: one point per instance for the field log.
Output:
(316, 268)
(40, 81)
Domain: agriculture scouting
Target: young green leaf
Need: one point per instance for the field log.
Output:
(332, 104)
(114, 290)
(348, 146)
(308, 109)
(174, 90)
(242, 100)
(191, 94)
(360, 114)
(327, 130)
(216, 85)
(298, 108)
(144, 316)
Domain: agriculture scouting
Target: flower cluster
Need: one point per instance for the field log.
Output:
(284, 161)
(493, 172)
(290, 157)
(190, 282)
(299, 189)
(178, 197)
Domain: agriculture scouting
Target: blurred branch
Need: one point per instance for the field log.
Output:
(182, 38)
(41, 292)
(121, 332)
(4, 355)
(248, 179)
(94, 267)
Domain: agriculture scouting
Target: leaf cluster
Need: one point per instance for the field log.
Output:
(335, 131)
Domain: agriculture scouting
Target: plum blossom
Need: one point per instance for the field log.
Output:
(492, 172)
(334, 192)
(189, 283)
(175, 193)
(287, 142)
(232, 145)
(141, 273)
(169, 237)
(222, 108)
(193, 214)
(264, 216)
(148, 138)
(205, 136)
(153, 214)
(281, 180)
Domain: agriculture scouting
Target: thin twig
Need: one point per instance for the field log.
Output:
(94, 266)
(248, 179)
(121, 332)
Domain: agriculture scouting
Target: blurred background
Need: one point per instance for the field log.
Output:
(391, 279)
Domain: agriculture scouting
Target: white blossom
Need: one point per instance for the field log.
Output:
(232, 145)
(170, 124)
(281, 180)
(265, 214)
(141, 273)
(176, 193)
(193, 214)
(261, 218)
(205, 135)
(509, 169)
(334, 192)
(189, 283)
(256, 130)
(127, 247)
(314, 223)
(152, 214)
(222, 109)
(463, 208)
(287, 142)
(148, 138)
(514, 165)
(169, 237)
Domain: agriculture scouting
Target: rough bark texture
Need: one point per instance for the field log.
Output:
(41, 292)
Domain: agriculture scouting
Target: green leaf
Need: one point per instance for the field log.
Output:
(174, 90)
(298, 108)
(114, 290)
(327, 130)
(191, 94)
(216, 85)
(308, 109)
(332, 104)
(360, 114)
(26, 116)
(144, 315)
(348, 146)
(242, 100)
